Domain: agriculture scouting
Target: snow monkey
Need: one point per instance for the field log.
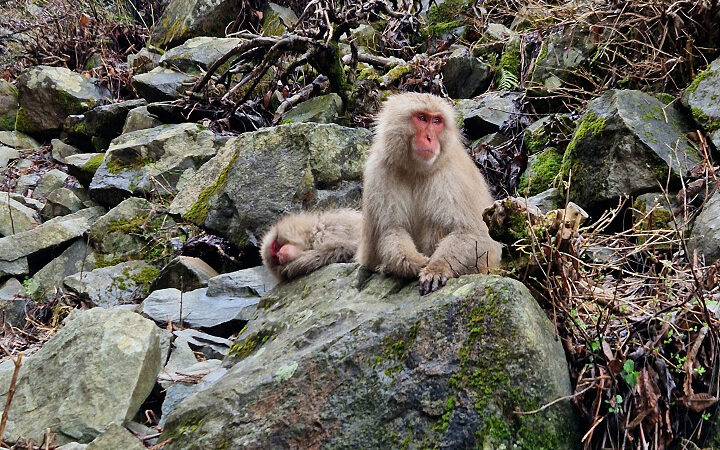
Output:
(423, 197)
(300, 243)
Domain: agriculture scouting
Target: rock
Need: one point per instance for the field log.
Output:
(47, 95)
(198, 309)
(260, 175)
(51, 233)
(705, 236)
(242, 283)
(196, 55)
(123, 230)
(61, 150)
(78, 258)
(184, 19)
(104, 363)
(27, 201)
(18, 140)
(115, 437)
(212, 347)
(15, 268)
(72, 446)
(488, 113)
(140, 119)
(62, 201)
(387, 368)
(276, 18)
(162, 84)
(136, 160)
(48, 182)
(547, 200)
(7, 154)
(701, 97)
(366, 36)
(113, 285)
(623, 145)
(184, 273)
(542, 171)
(16, 217)
(84, 166)
(13, 305)
(547, 132)
(8, 105)
(145, 60)
(465, 75)
(323, 109)
(25, 183)
(561, 55)
(96, 128)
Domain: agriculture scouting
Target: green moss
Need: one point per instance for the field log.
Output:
(241, 349)
(709, 124)
(543, 171)
(92, 164)
(7, 122)
(198, 212)
(442, 424)
(665, 97)
(396, 73)
(701, 76)
(101, 261)
(145, 277)
(117, 166)
(445, 16)
(535, 141)
(188, 426)
(654, 114)
(590, 125)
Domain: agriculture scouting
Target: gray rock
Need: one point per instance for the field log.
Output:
(13, 304)
(116, 437)
(145, 60)
(322, 109)
(242, 283)
(121, 231)
(27, 201)
(78, 258)
(84, 166)
(161, 84)
(183, 19)
(61, 202)
(276, 18)
(47, 95)
(212, 347)
(198, 310)
(185, 273)
(7, 154)
(26, 183)
(113, 285)
(705, 236)
(197, 54)
(624, 144)
(8, 105)
(48, 182)
(465, 75)
(260, 175)
(18, 140)
(16, 217)
(16, 268)
(386, 368)
(140, 119)
(103, 363)
(174, 395)
(151, 161)
(96, 128)
(72, 446)
(49, 234)
(489, 113)
(61, 150)
(561, 55)
(547, 200)
(702, 96)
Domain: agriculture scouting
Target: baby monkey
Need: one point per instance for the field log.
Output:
(300, 243)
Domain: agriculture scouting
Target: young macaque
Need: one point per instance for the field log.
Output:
(423, 197)
(300, 243)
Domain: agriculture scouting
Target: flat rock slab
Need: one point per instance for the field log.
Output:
(96, 370)
(114, 285)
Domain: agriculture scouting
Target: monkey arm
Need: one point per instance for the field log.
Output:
(311, 260)
(398, 254)
(457, 254)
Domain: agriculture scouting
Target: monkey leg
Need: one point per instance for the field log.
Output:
(459, 254)
(399, 256)
(311, 260)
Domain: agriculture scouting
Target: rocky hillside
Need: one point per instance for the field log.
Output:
(146, 146)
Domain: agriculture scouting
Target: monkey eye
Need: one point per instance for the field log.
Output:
(422, 117)
(437, 120)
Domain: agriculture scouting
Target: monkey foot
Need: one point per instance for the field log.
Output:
(431, 281)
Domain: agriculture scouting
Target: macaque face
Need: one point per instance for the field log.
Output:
(281, 254)
(426, 141)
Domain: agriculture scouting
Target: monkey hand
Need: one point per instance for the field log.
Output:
(434, 276)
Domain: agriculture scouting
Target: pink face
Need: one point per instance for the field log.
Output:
(427, 129)
(283, 254)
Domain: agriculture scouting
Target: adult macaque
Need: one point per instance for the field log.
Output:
(423, 197)
(300, 243)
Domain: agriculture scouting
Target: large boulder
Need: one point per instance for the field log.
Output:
(705, 236)
(342, 358)
(96, 128)
(197, 54)
(464, 75)
(151, 161)
(258, 176)
(95, 371)
(561, 55)
(488, 113)
(184, 19)
(161, 84)
(113, 285)
(701, 97)
(8, 105)
(78, 258)
(625, 144)
(47, 95)
(16, 217)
